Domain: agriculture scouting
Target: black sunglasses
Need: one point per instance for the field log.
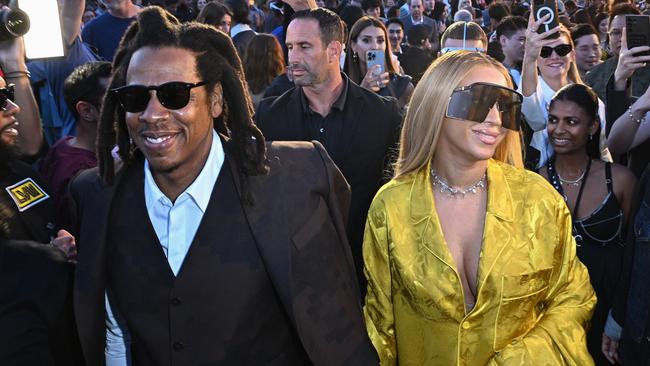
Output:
(172, 95)
(474, 102)
(6, 94)
(561, 50)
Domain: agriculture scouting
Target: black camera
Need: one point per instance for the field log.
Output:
(13, 23)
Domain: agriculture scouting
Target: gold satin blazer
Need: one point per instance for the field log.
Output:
(534, 297)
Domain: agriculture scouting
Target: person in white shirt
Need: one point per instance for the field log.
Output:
(548, 65)
(208, 246)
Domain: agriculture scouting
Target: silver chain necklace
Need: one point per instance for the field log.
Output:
(456, 192)
(575, 182)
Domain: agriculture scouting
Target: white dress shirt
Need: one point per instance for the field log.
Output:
(175, 225)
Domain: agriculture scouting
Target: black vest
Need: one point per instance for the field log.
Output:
(221, 309)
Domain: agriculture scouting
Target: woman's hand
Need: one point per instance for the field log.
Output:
(628, 62)
(535, 41)
(375, 79)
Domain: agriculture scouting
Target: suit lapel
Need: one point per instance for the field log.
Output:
(497, 232)
(266, 218)
(425, 219)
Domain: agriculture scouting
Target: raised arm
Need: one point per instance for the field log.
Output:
(12, 60)
(71, 14)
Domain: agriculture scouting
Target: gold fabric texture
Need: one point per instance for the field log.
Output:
(534, 296)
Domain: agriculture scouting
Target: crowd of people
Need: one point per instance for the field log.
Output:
(328, 182)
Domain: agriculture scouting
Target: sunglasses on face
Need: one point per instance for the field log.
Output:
(560, 50)
(172, 95)
(6, 94)
(474, 102)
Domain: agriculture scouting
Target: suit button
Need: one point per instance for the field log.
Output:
(466, 325)
(176, 301)
(178, 346)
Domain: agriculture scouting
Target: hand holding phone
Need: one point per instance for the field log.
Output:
(548, 8)
(376, 57)
(634, 50)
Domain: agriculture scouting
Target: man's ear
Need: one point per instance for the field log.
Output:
(87, 111)
(502, 40)
(216, 101)
(334, 50)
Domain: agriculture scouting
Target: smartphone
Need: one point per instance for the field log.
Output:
(546, 7)
(44, 38)
(637, 32)
(375, 57)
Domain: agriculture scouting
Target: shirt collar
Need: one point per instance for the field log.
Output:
(238, 28)
(201, 189)
(339, 103)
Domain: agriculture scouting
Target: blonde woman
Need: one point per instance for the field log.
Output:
(549, 64)
(469, 258)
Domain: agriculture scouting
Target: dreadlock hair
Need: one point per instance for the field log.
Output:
(217, 62)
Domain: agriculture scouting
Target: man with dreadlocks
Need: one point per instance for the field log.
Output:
(209, 245)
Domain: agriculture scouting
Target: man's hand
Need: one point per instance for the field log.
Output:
(66, 243)
(628, 62)
(610, 350)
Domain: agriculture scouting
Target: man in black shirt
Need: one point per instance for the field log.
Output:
(358, 128)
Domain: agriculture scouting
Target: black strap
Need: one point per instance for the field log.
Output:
(582, 187)
(608, 177)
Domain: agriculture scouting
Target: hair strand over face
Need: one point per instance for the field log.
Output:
(217, 62)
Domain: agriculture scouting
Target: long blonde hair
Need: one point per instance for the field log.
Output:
(426, 112)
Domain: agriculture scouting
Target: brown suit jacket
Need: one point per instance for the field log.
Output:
(297, 218)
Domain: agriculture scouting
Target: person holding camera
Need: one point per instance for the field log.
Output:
(369, 34)
(548, 65)
(625, 134)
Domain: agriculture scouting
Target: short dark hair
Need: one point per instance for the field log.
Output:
(395, 21)
(582, 30)
(587, 99)
(417, 35)
(393, 12)
(622, 9)
(329, 24)
(498, 11)
(217, 63)
(599, 18)
(511, 25)
(369, 4)
(240, 11)
(83, 85)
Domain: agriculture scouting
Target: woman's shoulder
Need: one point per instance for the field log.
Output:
(622, 176)
(526, 183)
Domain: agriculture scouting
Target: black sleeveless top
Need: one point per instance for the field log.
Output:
(605, 224)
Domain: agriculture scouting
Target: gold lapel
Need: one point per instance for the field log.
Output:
(425, 219)
(497, 232)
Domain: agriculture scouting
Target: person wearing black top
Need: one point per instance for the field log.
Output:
(599, 195)
(36, 322)
(417, 58)
(358, 128)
